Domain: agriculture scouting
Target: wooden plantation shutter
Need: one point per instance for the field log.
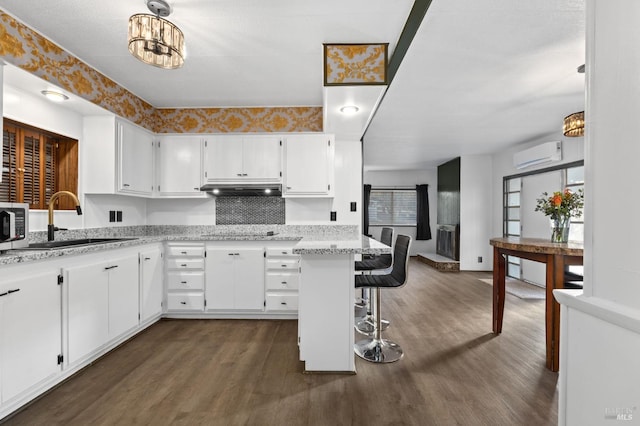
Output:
(31, 170)
(35, 165)
(9, 184)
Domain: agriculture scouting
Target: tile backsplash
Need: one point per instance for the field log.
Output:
(250, 211)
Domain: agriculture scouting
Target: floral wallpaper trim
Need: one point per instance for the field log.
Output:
(355, 64)
(25, 48)
(227, 120)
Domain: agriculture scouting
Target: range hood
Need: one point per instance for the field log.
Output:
(243, 190)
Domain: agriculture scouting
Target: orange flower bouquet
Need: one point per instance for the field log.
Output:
(561, 207)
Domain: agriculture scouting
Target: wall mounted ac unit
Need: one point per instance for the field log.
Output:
(539, 154)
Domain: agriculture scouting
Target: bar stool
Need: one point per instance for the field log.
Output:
(377, 349)
(376, 265)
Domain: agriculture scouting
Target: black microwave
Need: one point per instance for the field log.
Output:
(14, 225)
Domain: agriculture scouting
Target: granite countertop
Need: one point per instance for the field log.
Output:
(363, 245)
(311, 240)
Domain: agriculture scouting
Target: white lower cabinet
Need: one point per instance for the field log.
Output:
(234, 279)
(185, 277)
(30, 331)
(151, 289)
(282, 273)
(102, 303)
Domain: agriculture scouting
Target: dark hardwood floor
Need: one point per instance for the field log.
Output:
(246, 372)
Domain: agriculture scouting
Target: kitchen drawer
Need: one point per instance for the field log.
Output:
(283, 281)
(284, 251)
(185, 301)
(283, 263)
(190, 251)
(185, 263)
(281, 302)
(178, 280)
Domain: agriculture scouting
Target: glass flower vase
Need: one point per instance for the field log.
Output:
(560, 229)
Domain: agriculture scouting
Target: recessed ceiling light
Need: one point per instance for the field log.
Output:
(55, 96)
(349, 109)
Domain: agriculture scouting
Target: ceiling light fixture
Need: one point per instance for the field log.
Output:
(156, 41)
(349, 109)
(55, 96)
(573, 125)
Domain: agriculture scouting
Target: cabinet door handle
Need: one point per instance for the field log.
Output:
(183, 303)
(231, 254)
(288, 187)
(236, 254)
(183, 252)
(13, 291)
(196, 189)
(147, 258)
(184, 265)
(110, 267)
(283, 303)
(244, 174)
(4, 294)
(284, 252)
(126, 185)
(183, 282)
(239, 174)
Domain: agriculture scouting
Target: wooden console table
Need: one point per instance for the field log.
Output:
(556, 256)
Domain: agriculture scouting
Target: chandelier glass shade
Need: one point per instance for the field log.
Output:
(156, 41)
(573, 125)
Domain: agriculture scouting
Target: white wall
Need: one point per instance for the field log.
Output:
(600, 330)
(572, 150)
(201, 211)
(39, 112)
(409, 179)
(97, 206)
(475, 212)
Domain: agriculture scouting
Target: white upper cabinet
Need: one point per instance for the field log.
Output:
(135, 158)
(242, 158)
(308, 167)
(179, 167)
(117, 157)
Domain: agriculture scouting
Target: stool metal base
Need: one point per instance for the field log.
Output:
(367, 325)
(378, 350)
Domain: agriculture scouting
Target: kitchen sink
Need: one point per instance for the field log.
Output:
(50, 245)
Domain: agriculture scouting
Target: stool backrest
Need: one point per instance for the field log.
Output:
(386, 236)
(401, 259)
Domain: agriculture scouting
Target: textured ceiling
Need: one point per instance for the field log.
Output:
(480, 76)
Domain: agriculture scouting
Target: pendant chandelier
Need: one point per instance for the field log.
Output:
(154, 40)
(574, 125)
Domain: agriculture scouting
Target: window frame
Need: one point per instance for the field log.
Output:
(394, 190)
(33, 175)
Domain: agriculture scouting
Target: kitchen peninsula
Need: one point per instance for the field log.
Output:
(105, 293)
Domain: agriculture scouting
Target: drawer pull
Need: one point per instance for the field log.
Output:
(4, 294)
(284, 252)
(283, 303)
(183, 282)
(13, 291)
(183, 252)
(284, 266)
(183, 303)
(110, 267)
(147, 258)
(184, 265)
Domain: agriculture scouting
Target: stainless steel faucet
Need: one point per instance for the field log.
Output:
(51, 228)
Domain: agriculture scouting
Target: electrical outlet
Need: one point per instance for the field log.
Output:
(112, 215)
(353, 206)
(333, 216)
(118, 216)
(479, 259)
